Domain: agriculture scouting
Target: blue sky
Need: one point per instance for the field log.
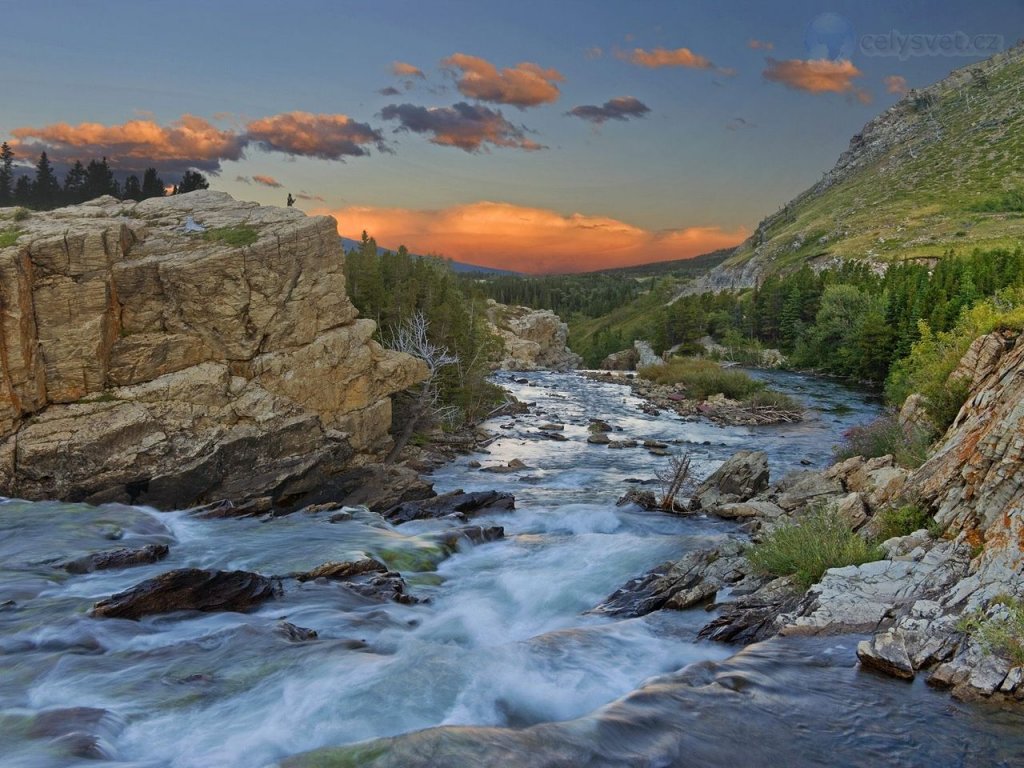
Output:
(719, 143)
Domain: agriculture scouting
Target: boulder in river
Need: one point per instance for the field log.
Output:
(472, 534)
(117, 558)
(342, 571)
(456, 503)
(740, 478)
(189, 589)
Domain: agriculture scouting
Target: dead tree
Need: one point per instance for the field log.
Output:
(411, 337)
(674, 480)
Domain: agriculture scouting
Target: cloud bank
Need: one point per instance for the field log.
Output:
(469, 127)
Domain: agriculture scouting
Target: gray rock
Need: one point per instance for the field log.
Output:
(741, 477)
(886, 653)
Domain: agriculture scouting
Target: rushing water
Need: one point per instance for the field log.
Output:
(503, 645)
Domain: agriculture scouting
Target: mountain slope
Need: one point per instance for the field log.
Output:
(942, 169)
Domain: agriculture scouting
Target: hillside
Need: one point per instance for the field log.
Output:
(942, 169)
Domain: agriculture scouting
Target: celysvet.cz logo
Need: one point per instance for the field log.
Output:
(905, 45)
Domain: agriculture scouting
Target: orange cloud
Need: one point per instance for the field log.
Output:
(760, 45)
(401, 69)
(663, 57)
(267, 181)
(190, 142)
(524, 85)
(329, 137)
(531, 240)
(814, 75)
(896, 84)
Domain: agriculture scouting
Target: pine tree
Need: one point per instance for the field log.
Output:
(99, 180)
(132, 188)
(74, 183)
(190, 182)
(46, 189)
(23, 191)
(6, 175)
(152, 185)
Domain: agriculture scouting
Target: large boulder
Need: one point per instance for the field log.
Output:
(740, 478)
(456, 504)
(189, 589)
(533, 339)
(143, 364)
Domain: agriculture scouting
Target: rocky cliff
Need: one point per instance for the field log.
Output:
(533, 339)
(141, 363)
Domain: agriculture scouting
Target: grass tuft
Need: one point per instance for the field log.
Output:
(237, 236)
(1000, 629)
(807, 548)
(9, 236)
(702, 378)
(885, 436)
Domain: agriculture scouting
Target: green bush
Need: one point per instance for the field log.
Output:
(820, 540)
(237, 236)
(769, 399)
(20, 214)
(9, 236)
(885, 436)
(1007, 202)
(902, 521)
(701, 378)
(1000, 629)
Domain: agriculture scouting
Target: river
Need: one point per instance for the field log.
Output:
(503, 646)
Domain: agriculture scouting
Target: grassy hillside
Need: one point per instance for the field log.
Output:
(942, 169)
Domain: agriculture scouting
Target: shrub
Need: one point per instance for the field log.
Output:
(1007, 202)
(9, 236)
(702, 378)
(902, 521)
(820, 540)
(20, 214)
(237, 236)
(885, 436)
(1000, 629)
(777, 400)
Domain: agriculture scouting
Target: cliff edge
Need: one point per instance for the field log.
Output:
(142, 363)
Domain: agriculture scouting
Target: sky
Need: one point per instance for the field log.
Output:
(556, 136)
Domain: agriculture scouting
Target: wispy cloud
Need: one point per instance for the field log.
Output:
(817, 76)
(739, 124)
(524, 85)
(594, 52)
(402, 69)
(896, 84)
(760, 45)
(534, 240)
(266, 181)
(657, 58)
(389, 91)
(470, 127)
(619, 108)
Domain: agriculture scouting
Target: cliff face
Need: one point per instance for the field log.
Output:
(533, 339)
(142, 363)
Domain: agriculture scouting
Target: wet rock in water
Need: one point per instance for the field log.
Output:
(556, 436)
(740, 478)
(76, 731)
(887, 654)
(474, 464)
(598, 425)
(679, 584)
(376, 486)
(189, 589)
(754, 616)
(117, 558)
(342, 571)
(515, 465)
(457, 503)
(655, 444)
(551, 426)
(296, 634)
(644, 499)
(599, 438)
(219, 510)
(472, 534)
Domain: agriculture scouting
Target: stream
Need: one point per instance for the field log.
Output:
(502, 646)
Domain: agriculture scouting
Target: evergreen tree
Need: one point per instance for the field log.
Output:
(74, 183)
(23, 191)
(99, 180)
(190, 182)
(45, 189)
(132, 188)
(6, 175)
(152, 185)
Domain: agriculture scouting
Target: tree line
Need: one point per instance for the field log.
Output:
(44, 189)
(589, 295)
(398, 289)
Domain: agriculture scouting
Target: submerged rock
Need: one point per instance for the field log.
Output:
(117, 558)
(455, 503)
(189, 589)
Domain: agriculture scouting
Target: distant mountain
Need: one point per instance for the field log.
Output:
(693, 267)
(457, 266)
(940, 170)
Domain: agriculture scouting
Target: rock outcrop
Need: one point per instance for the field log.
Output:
(142, 364)
(533, 339)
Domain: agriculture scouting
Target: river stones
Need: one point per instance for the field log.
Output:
(367, 577)
(189, 589)
(515, 465)
(472, 534)
(117, 558)
(456, 503)
(343, 571)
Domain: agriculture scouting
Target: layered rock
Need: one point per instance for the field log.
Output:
(142, 364)
(533, 339)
